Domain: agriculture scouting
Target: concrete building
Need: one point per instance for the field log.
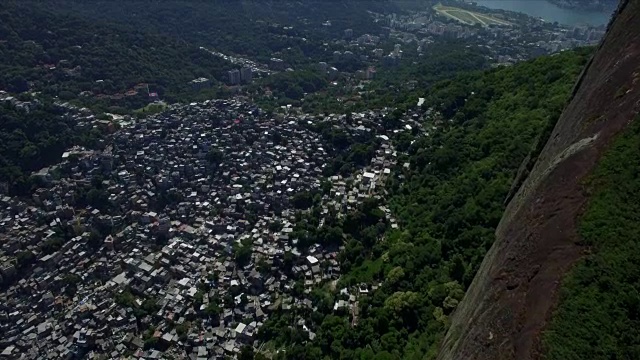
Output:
(246, 75)
(234, 77)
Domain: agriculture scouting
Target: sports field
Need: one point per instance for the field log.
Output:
(468, 17)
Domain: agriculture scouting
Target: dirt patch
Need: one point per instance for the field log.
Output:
(514, 293)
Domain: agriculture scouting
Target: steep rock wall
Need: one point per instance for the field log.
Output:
(514, 292)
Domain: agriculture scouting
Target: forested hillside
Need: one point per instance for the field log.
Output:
(403, 85)
(601, 293)
(252, 28)
(449, 202)
(98, 63)
(30, 141)
(110, 68)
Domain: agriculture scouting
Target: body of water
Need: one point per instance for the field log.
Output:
(549, 12)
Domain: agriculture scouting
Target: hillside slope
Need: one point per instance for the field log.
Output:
(448, 202)
(512, 297)
(64, 56)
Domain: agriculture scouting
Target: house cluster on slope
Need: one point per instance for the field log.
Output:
(177, 238)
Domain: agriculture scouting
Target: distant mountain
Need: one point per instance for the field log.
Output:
(601, 5)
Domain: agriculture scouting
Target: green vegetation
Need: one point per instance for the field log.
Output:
(30, 141)
(289, 30)
(599, 312)
(256, 31)
(111, 68)
(150, 109)
(242, 252)
(401, 86)
(64, 56)
(449, 203)
(287, 87)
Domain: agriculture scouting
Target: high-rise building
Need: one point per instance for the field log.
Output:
(246, 74)
(234, 77)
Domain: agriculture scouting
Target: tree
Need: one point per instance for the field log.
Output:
(212, 309)
(303, 200)
(396, 274)
(98, 198)
(150, 342)
(214, 156)
(149, 306)
(246, 353)
(25, 258)
(330, 235)
(275, 226)
(125, 299)
(71, 282)
(198, 298)
(401, 301)
(95, 239)
(458, 269)
(288, 261)
(18, 84)
(182, 329)
(242, 254)
(262, 266)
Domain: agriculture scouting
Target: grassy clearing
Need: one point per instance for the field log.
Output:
(365, 273)
(150, 109)
(463, 16)
(468, 17)
(598, 316)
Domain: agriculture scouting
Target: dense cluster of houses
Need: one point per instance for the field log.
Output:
(26, 106)
(176, 239)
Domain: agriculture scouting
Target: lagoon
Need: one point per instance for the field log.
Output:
(550, 12)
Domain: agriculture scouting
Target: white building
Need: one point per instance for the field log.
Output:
(312, 260)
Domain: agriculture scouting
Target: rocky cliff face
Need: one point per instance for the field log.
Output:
(514, 292)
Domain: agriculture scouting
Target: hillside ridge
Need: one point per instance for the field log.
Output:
(511, 298)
